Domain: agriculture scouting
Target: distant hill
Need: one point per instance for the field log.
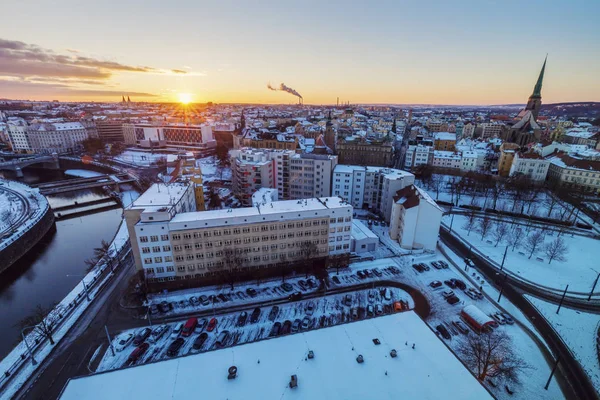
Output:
(589, 109)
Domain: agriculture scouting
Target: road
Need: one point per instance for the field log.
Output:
(24, 210)
(73, 354)
(580, 384)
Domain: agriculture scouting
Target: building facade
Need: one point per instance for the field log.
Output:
(415, 219)
(17, 135)
(363, 152)
(60, 137)
(531, 164)
(209, 243)
(110, 131)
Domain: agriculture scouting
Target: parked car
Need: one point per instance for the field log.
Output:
(164, 307)
(398, 306)
(158, 332)
(452, 300)
(123, 341)
(199, 341)
(387, 294)
(204, 300)
(194, 300)
(222, 297)
(443, 331)
(295, 296)
(377, 272)
(435, 284)
(436, 265)
(141, 336)
(394, 270)
(311, 283)
(275, 329)
(251, 292)
(336, 280)
(444, 264)
(296, 326)
(286, 327)
(367, 273)
(450, 283)
(287, 287)
(255, 315)
(474, 294)
(354, 313)
(361, 275)
(174, 347)
(370, 311)
(507, 318)
(310, 308)
(378, 309)
(307, 323)
(138, 352)
(447, 293)
(425, 266)
(459, 284)
(371, 296)
(222, 339)
(212, 324)
(183, 303)
(273, 313)
(242, 318)
(322, 321)
(460, 327)
(154, 309)
(498, 318)
(177, 330)
(240, 295)
(189, 326)
(201, 325)
(302, 284)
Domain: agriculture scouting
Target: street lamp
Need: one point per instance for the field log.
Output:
(595, 283)
(87, 293)
(33, 361)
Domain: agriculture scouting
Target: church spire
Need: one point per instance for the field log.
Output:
(537, 90)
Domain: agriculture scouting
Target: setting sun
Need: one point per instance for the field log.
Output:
(185, 98)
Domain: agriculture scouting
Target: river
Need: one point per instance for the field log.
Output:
(41, 276)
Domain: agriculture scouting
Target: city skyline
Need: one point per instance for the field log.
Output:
(392, 54)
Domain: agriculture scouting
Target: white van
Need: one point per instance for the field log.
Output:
(177, 330)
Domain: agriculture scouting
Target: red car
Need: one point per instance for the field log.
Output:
(189, 326)
(212, 324)
(138, 352)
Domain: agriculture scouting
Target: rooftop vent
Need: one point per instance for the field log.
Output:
(232, 372)
(311, 354)
(393, 353)
(293, 381)
(360, 359)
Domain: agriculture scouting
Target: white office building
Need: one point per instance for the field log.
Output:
(530, 164)
(17, 135)
(60, 137)
(418, 155)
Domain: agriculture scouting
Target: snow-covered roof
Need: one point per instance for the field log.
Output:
(160, 194)
(360, 231)
(429, 371)
(477, 315)
(445, 136)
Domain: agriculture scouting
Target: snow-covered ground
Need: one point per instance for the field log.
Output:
(579, 270)
(42, 350)
(210, 171)
(82, 173)
(328, 311)
(579, 331)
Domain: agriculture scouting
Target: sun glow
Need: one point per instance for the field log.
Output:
(185, 98)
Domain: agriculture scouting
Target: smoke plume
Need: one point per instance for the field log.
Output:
(284, 88)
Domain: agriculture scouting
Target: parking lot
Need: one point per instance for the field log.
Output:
(270, 321)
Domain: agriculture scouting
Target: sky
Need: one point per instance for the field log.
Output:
(402, 51)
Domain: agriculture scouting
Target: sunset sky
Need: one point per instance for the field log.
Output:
(435, 52)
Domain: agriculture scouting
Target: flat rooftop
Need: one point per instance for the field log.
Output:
(160, 194)
(430, 371)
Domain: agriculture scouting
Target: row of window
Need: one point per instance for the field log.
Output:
(154, 238)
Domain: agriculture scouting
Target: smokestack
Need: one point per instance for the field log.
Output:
(284, 88)
(337, 104)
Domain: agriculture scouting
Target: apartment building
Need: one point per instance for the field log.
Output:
(574, 172)
(17, 136)
(265, 139)
(159, 201)
(295, 176)
(271, 236)
(507, 154)
(445, 141)
(110, 131)
(446, 159)
(436, 125)
(362, 151)
(251, 169)
(415, 219)
(418, 155)
(369, 187)
(60, 137)
(530, 164)
(491, 130)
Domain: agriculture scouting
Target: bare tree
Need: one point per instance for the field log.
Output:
(495, 193)
(232, 262)
(556, 250)
(436, 183)
(485, 224)
(309, 251)
(500, 231)
(515, 237)
(470, 222)
(43, 320)
(492, 355)
(8, 217)
(534, 241)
